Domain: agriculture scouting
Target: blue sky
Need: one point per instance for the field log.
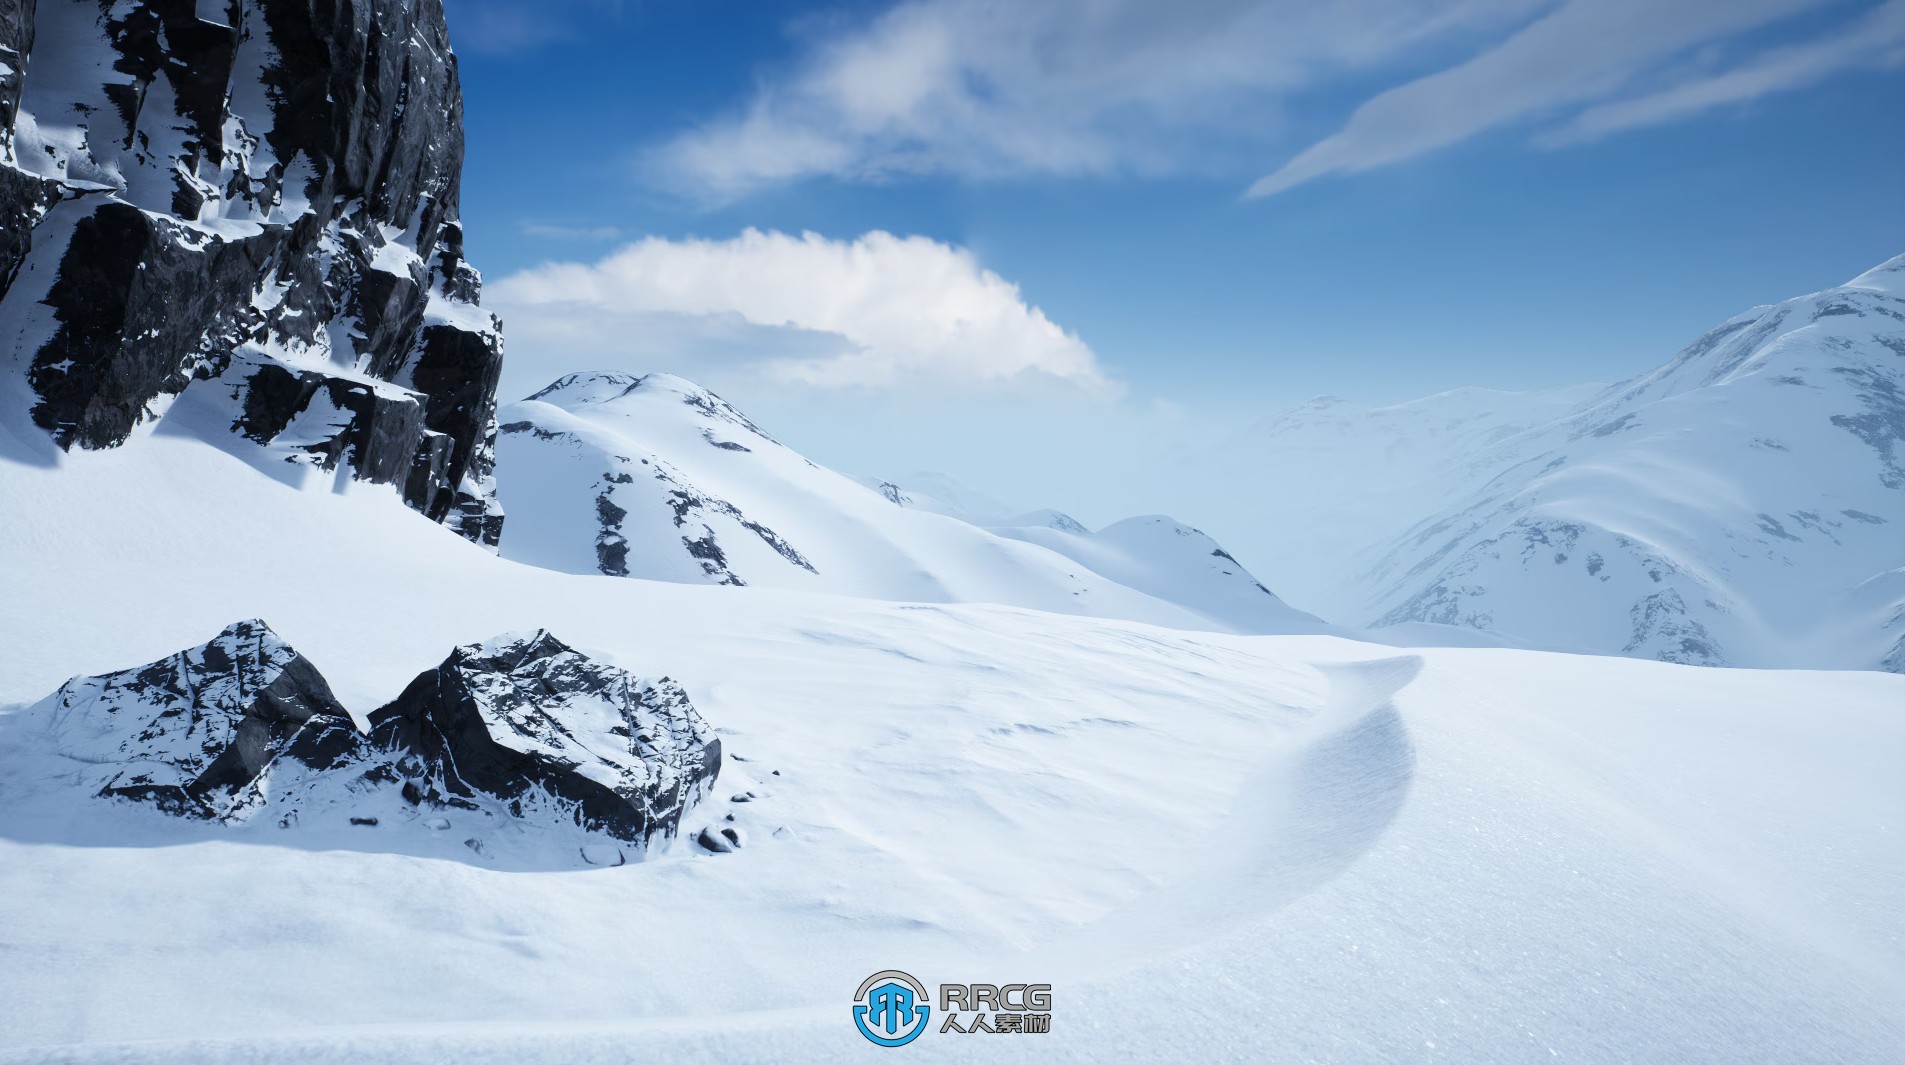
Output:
(1210, 211)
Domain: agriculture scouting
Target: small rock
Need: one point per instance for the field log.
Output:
(368, 822)
(742, 796)
(715, 841)
(436, 824)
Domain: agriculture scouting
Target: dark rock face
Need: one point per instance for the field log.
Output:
(530, 721)
(520, 729)
(258, 193)
(198, 733)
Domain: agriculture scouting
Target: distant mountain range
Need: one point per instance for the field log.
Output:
(654, 477)
(1743, 504)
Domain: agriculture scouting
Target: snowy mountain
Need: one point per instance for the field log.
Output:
(238, 220)
(942, 493)
(1739, 505)
(1672, 864)
(1154, 554)
(1743, 504)
(242, 351)
(1309, 497)
(654, 477)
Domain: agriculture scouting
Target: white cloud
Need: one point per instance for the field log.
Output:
(986, 88)
(1878, 40)
(1583, 52)
(877, 311)
(1003, 88)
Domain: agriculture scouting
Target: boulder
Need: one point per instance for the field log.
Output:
(529, 721)
(197, 733)
(520, 729)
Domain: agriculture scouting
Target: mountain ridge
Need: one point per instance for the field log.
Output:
(653, 476)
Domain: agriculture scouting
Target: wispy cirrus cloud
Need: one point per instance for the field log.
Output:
(1874, 41)
(986, 89)
(1583, 52)
(876, 311)
(991, 88)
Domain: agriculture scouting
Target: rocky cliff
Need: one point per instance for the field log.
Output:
(253, 201)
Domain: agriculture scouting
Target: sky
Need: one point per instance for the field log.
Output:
(1038, 246)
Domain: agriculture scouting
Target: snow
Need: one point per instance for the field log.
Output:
(1214, 846)
(1739, 505)
(1307, 496)
(1888, 277)
(660, 478)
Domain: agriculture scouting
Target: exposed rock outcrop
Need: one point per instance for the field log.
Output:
(522, 730)
(199, 733)
(529, 720)
(255, 199)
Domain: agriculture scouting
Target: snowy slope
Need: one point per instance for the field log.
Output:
(1215, 847)
(1309, 497)
(942, 493)
(1154, 554)
(1743, 504)
(656, 478)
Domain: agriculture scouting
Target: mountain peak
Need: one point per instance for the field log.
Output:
(1887, 277)
(586, 387)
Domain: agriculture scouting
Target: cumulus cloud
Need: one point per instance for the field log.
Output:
(1583, 52)
(986, 88)
(880, 310)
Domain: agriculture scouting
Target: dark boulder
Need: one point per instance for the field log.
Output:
(197, 733)
(519, 729)
(532, 722)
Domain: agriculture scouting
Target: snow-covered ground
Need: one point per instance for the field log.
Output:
(1214, 847)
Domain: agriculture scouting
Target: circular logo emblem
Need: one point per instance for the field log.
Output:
(891, 1008)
